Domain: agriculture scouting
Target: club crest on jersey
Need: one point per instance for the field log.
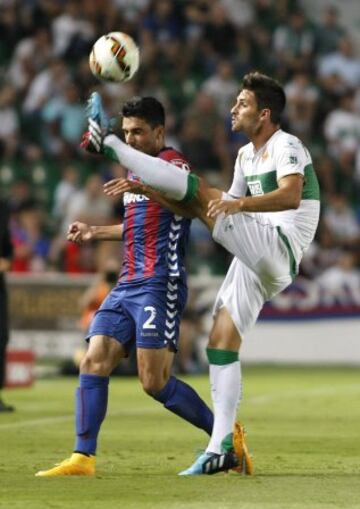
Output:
(255, 187)
(134, 198)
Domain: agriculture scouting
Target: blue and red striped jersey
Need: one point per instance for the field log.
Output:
(155, 239)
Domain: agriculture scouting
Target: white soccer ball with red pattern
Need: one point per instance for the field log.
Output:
(114, 57)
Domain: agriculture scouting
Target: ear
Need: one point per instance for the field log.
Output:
(266, 113)
(160, 131)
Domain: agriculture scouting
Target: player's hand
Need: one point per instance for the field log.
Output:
(79, 233)
(227, 207)
(120, 186)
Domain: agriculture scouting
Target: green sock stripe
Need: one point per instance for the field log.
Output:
(227, 443)
(221, 357)
(193, 183)
(110, 153)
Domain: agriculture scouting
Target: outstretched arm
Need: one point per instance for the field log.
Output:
(81, 233)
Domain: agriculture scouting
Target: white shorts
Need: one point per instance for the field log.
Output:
(262, 266)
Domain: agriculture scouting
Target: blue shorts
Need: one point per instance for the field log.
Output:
(146, 315)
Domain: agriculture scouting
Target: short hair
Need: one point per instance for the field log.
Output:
(148, 108)
(268, 93)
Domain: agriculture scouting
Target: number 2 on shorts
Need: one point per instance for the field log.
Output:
(148, 324)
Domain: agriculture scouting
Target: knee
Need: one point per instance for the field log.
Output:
(214, 340)
(152, 385)
(91, 366)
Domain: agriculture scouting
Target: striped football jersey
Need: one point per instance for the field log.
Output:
(155, 239)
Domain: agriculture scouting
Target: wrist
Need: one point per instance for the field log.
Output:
(93, 232)
(240, 203)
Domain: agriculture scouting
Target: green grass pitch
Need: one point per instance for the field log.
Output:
(303, 430)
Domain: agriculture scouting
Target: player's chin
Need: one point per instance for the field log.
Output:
(235, 126)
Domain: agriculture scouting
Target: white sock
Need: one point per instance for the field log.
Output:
(225, 383)
(157, 173)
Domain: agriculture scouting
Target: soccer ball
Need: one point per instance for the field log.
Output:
(114, 57)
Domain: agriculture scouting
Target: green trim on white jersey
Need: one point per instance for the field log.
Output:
(311, 189)
(266, 182)
(292, 262)
(258, 172)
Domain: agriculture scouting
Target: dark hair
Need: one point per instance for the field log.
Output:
(147, 108)
(268, 93)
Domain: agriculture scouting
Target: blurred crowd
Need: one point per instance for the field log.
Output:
(193, 55)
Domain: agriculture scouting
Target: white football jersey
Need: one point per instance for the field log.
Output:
(258, 172)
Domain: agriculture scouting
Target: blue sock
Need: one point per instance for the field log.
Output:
(91, 405)
(180, 398)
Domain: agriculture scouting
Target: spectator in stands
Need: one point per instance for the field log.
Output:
(20, 194)
(329, 32)
(207, 125)
(341, 283)
(72, 34)
(340, 70)
(64, 118)
(222, 87)
(342, 127)
(64, 192)
(325, 171)
(163, 21)
(241, 12)
(219, 32)
(301, 102)
(9, 121)
(31, 245)
(88, 205)
(294, 44)
(198, 148)
(31, 56)
(48, 83)
(345, 181)
(322, 254)
(341, 221)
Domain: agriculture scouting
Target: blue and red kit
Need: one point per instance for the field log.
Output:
(146, 305)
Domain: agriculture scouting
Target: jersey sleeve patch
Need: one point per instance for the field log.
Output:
(291, 159)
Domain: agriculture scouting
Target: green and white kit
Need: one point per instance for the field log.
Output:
(268, 246)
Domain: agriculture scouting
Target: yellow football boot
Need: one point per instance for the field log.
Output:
(246, 465)
(77, 464)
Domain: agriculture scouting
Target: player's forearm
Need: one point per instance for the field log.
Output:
(110, 232)
(275, 201)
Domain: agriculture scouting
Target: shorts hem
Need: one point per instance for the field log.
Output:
(147, 346)
(105, 333)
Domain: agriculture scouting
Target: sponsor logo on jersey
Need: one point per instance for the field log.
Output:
(293, 159)
(134, 198)
(255, 187)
